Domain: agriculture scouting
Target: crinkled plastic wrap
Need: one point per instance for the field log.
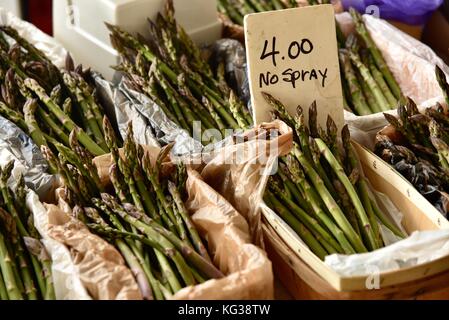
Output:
(151, 125)
(123, 107)
(16, 145)
(233, 54)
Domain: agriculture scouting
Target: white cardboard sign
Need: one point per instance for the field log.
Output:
(293, 55)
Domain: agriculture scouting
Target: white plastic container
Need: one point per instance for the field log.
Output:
(13, 6)
(79, 25)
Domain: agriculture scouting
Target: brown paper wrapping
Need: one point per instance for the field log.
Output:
(243, 183)
(101, 267)
(218, 219)
(249, 272)
(104, 162)
(231, 30)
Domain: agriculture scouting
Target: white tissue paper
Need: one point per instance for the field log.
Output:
(421, 247)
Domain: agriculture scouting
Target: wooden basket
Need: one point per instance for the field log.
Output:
(306, 276)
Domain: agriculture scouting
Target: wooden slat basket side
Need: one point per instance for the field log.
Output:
(418, 213)
(303, 283)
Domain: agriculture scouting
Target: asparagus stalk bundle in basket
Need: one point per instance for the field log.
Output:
(43, 101)
(144, 216)
(321, 192)
(170, 69)
(25, 266)
(416, 144)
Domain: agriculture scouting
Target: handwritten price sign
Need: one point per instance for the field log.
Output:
(295, 49)
(293, 55)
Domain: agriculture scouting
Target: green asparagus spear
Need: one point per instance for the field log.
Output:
(331, 204)
(62, 117)
(7, 272)
(441, 78)
(358, 100)
(362, 215)
(297, 226)
(375, 52)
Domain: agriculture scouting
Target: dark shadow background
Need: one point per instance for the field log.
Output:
(39, 12)
(436, 32)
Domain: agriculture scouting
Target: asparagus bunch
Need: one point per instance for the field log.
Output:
(45, 102)
(170, 69)
(321, 192)
(144, 217)
(416, 144)
(235, 10)
(369, 86)
(25, 266)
